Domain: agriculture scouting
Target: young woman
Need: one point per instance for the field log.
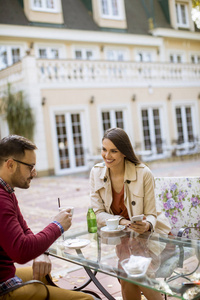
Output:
(124, 187)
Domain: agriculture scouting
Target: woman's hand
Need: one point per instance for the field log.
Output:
(140, 226)
(125, 222)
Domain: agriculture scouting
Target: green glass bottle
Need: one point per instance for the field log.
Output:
(91, 221)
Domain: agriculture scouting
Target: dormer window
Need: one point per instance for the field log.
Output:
(111, 9)
(44, 5)
(182, 15)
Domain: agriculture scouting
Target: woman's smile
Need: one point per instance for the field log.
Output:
(109, 160)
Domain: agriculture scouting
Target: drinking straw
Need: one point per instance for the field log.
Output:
(58, 202)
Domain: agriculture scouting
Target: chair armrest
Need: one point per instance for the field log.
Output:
(17, 286)
(183, 229)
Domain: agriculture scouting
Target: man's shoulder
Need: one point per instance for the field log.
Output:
(2, 190)
(5, 195)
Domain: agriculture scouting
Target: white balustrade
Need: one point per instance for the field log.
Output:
(12, 74)
(80, 72)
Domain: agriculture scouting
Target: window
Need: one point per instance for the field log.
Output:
(49, 52)
(3, 58)
(42, 53)
(9, 55)
(182, 15)
(70, 140)
(44, 5)
(184, 124)
(152, 133)
(111, 9)
(84, 54)
(176, 58)
(115, 54)
(195, 58)
(112, 118)
(144, 56)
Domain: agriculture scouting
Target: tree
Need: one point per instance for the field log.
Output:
(18, 113)
(196, 12)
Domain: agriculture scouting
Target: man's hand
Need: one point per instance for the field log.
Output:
(64, 217)
(41, 267)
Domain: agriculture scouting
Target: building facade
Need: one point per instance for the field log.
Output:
(88, 65)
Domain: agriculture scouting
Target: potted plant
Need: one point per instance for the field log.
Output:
(18, 113)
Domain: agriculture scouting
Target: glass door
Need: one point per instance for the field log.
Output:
(152, 133)
(184, 124)
(112, 118)
(71, 154)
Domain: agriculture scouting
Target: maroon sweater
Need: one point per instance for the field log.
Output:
(17, 241)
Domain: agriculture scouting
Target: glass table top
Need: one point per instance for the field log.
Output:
(164, 263)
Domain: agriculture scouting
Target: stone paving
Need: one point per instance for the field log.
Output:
(39, 204)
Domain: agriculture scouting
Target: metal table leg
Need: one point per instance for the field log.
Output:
(94, 279)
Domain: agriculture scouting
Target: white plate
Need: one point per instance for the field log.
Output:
(76, 243)
(119, 228)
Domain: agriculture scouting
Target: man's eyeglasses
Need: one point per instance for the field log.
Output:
(31, 167)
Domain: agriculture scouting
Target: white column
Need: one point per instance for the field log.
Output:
(172, 12)
(32, 94)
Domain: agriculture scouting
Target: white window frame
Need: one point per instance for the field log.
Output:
(196, 56)
(179, 18)
(183, 106)
(116, 51)
(83, 49)
(83, 111)
(175, 54)
(48, 48)
(84, 54)
(126, 115)
(163, 126)
(110, 15)
(8, 49)
(44, 7)
(145, 52)
(152, 128)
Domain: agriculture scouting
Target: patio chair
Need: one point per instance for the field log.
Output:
(179, 199)
(50, 282)
(10, 289)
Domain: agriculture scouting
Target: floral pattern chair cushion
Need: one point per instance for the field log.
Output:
(179, 199)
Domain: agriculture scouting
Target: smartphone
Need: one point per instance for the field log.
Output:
(137, 218)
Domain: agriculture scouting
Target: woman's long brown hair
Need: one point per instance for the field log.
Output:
(121, 140)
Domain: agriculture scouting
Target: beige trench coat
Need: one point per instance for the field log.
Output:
(139, 196)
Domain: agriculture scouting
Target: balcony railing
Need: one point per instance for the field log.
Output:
(103, 73)
(12, 74)
(108, 72)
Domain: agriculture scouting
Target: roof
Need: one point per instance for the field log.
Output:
(77, 15)
(11, 12)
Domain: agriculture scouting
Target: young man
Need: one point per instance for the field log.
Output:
(17, 241)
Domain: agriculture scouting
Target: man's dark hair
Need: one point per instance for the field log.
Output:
(15, 146)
